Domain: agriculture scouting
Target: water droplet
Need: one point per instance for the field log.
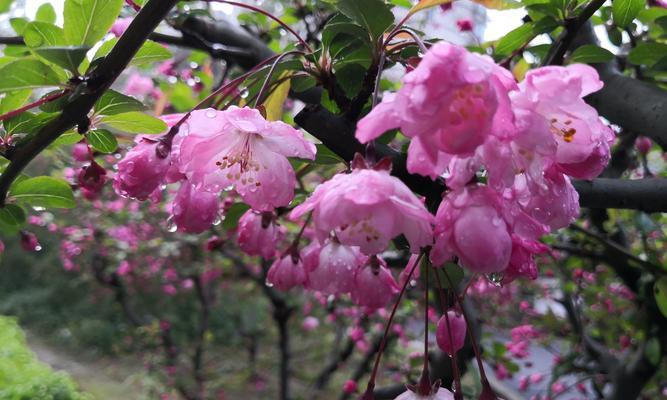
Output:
(245, 93)
(171, 225)
(211, 113)
(38, 248)
(495, 278)
(228, 188)
(218, 220)
(268, 284)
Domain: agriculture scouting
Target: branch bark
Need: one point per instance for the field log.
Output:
(99, 81)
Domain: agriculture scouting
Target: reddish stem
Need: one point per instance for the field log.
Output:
(37, 103)
(383, 342)
(134, 5)
(268, 14)
(453, 357)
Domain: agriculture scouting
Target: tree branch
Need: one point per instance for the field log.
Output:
(97, 83)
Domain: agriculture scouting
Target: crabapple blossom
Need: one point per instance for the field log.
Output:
(449, 103)
(29, 241)
(643, 144)
(92, 177)
(238, 148)
(142, 170)
(335, 270)
(451, 336)
(120, 26)
(367, 208)
(374, 286)
(441, 394)
(286, 272)
(193, 211)
(138, 85)
(258, 233)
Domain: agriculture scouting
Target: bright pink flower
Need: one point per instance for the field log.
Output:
(120, 26)
(92, 177)
(452, 336)
(29, 241)
(239, 149)
(2, 247)
(441, 394)
(368, 208)
(550, 109)
(286, 272)
(374, 286)
(142, 170)
(138, 85)
(451, 103)
(350, 387)
(258, 233)
(194, 211)
(476, 224)
(335, 269)
(464, 24)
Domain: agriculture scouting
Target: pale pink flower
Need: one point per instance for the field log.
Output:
(120, 26)
(374, 286)
(258, 233)
(142, 170)
(194, 211)
(441, 394)
(239, 149)
(451, 337)
(310, 323)
(451, 102)
(476, 224)
(335, 269)
(286, 272)
(368, 208)
(138, 85)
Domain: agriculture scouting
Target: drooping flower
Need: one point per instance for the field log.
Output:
(335, 269)
(476, 225)
(374, 286)
(450, 103)
(258, 233)
(92, 177)
(441, 394)
(451, 336)
(29, 241)
(142, 170)
(193, 211)
(237, 148)
(367, 208)
(286, 272)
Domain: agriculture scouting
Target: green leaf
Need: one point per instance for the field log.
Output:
(43, 34)
(44, 191)
(135, 122)
(647, 53)
(27, 74)
(591, 53)
(325, 156)
(14, 100)
(652, 351)
(233, 214)
(19, 24)
(515, 39)
(12, 218)
(660, 293)
(46, 13)
(149, 52)
(625, 11)
(87, 21)
(113, 102)
(5, 5)
(372, 15)
(67, 57)
(102, 140)
(54, 105)
(341, 25)
(69, 137)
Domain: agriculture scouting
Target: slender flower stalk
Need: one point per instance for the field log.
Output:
(43, 100)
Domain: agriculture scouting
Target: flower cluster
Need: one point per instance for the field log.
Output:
(506, 150)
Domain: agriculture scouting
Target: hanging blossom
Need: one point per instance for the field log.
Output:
(332, 267)
(258, 233)
(437, 394)
(367, 208)
(239, 149)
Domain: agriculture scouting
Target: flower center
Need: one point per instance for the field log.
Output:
(563, 129)
(242, 156)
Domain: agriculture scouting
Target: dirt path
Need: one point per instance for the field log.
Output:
(104, 379)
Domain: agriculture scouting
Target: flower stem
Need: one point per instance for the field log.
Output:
(43, 100)
(265, 85)
(383, 342)
(455, 365)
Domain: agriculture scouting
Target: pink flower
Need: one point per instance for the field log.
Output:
(464, 24)
(239, 149)
(80, 152)
(450, 103)
(258, 233)
(138, 85)
(142, 170)
(441, 394)
(350, 387)
(452, 336)
(92, 177)
(374, 286)
(310, 323)
(643, 145)
(335, 269)
(2, 247)
(476, 225)
(193, 211)
(29, 241)
(550, 109)
(120, 26)
(286, 272)
(368, 208)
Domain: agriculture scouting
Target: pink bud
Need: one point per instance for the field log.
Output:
(451, 336)
(643, 145)
(92, 177)
(350, 387)
(80, 152)
(29, 241)
(286, 272)
(310, 323)
(464, 24)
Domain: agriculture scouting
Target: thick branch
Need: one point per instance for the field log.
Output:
(100, 80)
